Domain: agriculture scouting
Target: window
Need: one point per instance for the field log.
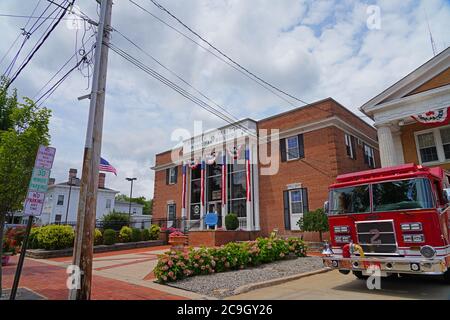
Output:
(195, 193)
(350, 146)
(108, 203)
(60, 200)
(369, 156)
(427, 147)
(58, 218)
(237, 191)
(402, 195)
(171, 211)
(445, 138)
(171, 175)
(134, 210)
(295, 202)
(292, 148)
(350, 200)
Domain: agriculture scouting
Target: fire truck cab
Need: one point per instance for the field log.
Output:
(394, 219)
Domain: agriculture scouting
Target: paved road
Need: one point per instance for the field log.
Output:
(333, 285)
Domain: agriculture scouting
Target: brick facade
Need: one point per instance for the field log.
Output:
(323, 125)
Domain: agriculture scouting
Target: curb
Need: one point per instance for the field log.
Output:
(274, 282)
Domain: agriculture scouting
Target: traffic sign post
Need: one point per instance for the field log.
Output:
(34, 203)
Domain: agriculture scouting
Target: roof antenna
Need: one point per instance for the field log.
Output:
(433, 44)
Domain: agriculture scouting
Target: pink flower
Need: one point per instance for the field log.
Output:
(196, 265)
(164, 278)
(196, 257)
(171, 274)
(165, 268)
(203, 267)
(170, 263)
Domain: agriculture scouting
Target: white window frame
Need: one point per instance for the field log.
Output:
(108, 203)
(172, 170)
(348, 143)
(57, 200)
(288, 158)
(371, 154)
(290, 201)
(169, 205)
(439, 146)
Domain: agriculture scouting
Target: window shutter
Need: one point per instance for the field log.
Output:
(301, 146)
(353, 142)
(287, 215)
(283, 150)
(305, 200)
(167, 176)
(176, 174)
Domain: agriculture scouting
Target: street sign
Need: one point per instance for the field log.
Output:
(39, 180)
(34, 203)
(44, 158)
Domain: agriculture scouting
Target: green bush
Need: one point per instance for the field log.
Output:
(315, 221)
(54, 237)
(232, 256)
(231, 221)
(32, 239)
(125, 234)
(146, 235)
(115, 221)
(136, 235)
(98, 237)
(154, 232)
(109, 237)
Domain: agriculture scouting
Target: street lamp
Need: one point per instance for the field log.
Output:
(131, 195)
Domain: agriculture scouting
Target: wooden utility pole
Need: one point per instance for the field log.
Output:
(84, 238)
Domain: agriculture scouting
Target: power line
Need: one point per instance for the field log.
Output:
(159, 6)
(39, 45)
(29, 17)
(175, 87)
(175, 74)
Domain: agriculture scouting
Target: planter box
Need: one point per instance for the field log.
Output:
(178, 242)
(46, 254)
(212, 238)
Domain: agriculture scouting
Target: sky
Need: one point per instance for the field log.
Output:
(311, 49)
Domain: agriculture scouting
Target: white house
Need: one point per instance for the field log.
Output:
(124, 207)
(61, 202)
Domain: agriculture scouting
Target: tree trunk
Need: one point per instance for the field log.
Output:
(2, 227)
(320, 236)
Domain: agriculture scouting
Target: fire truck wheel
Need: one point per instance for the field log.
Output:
(359, 275)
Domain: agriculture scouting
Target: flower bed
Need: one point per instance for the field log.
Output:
(176, 265)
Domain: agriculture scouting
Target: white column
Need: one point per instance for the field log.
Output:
(256, 185)
(397, 135)
(250, 203)
(388, 152)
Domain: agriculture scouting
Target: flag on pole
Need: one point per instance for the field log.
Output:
(248, 173)
(202, 183)
(224, 180)
(105, 166)
(183, 194)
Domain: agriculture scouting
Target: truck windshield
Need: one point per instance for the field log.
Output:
(350, 200)
(402, 195)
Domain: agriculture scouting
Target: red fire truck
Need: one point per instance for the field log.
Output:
(395, 219)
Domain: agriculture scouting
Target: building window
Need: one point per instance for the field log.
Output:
(369, 156)
(134, 210)
(292, 148)
(350, 146)
(195, 193)
(171, 213)
(295, 202)
(427, 147)
(237, 191)
(108, 203)
(445, 138)
(60, 201)
(171, 175)
(295, 205)
(58, 218)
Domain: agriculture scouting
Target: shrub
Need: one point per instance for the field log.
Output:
(146, 235)
(154, 231)
(54, 237)
(316, 221)
(136, 235)
(234, 255)
(98, 237)
(33, 239)
(17, 234)
(125, 234)
(115, 221)
(231, 221)
(109, 237)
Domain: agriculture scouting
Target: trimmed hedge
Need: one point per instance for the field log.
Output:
(53, 237)
(109, 237)
(176, 265)
(136, 235)
(125, 234)
(231, 221)
(154, 231)
(146, 236)
(98, 237)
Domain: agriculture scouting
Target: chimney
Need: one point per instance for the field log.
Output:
(101, 180)
(51, 181)
(72, 173)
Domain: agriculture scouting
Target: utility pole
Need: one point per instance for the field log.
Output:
(84, 238)
(131, 197)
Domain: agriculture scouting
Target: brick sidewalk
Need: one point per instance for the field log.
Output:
(50, 281)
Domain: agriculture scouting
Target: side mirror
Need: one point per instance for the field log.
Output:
(326, 207)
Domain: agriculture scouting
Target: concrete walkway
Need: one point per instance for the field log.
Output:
(121, 275)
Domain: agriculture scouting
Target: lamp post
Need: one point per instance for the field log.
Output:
(131, 195)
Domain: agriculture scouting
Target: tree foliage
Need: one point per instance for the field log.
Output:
(315, 221)
(148, 204)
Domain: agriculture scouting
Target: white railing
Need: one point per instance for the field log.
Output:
(243, 223)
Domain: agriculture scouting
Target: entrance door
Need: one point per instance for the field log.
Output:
(295, 208)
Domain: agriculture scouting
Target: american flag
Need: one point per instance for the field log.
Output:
(105, 166)
(248, 172)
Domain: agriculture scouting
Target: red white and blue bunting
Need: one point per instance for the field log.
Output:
(193, 164)
(235, 152)
(435, 117)
(211, 159)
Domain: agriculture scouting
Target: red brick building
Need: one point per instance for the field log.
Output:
(272, 170)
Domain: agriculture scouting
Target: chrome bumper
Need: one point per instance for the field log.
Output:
(436, 266)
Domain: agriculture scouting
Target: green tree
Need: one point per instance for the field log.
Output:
(315, 221)
(23, 127)
(148, 204)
